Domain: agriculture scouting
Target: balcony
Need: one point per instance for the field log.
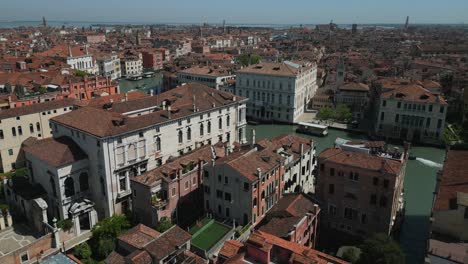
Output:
(124, 193)
(158, 203)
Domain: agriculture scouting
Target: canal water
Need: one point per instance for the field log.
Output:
(144, 85)
(419, 184)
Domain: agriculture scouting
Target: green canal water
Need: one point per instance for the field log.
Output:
(419, 184)
(144, 85)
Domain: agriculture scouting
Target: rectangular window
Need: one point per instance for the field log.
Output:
(1, 134)
(382, 116)
(384, 103)
(373, 199)
(331, 188)
(10, 152)
(246, 186)
(186, 185)
(376, 181)
(332, 172)
(385, 184)
(227, 196)
(226, 180)
(173, 192)
(332, 210)
(219, 194)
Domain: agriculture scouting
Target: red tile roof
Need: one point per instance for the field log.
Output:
(454, 178)
(139, 236)
(101, 123)
(56, 151)
(361, 160)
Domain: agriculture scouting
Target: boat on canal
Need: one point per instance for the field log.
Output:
(312, 129)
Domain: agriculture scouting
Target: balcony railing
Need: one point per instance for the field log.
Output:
(158, 203)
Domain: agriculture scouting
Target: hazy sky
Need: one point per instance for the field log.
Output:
(238, 11)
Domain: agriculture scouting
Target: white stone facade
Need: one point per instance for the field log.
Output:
(113, 160)
(281, 98)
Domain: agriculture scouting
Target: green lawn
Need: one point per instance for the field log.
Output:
(209, 234)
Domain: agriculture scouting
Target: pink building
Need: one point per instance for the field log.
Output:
(264, 248)
(294, 218)
(172, 190)
(361, 186)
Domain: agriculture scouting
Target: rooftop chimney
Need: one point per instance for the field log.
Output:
(126, 97)
(252, 140)
(169, 112)
(164, 105)
(151, 92)
(194, 105)
(259, 173)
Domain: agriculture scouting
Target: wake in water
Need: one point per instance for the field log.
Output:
(429, 163)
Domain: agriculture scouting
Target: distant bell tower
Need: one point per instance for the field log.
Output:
(407, 22)
(340, 71)
(44, 22)
(354, 29)
(138, 37)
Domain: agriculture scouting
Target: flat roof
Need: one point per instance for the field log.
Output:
(207, 233)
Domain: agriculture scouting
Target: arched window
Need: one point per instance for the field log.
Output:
(158, 144)
(263, 194)
(254, 202)
(228, 121)
(38, 126)
(13, 131)
(84, 185)
(189, 133)
(220, 123)
(181, 137)
(69, 187)
(201, 129)
(209, 127)
(31, 128)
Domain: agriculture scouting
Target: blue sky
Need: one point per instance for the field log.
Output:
(239, 11)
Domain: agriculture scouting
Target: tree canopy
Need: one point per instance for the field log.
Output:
(164, 224)
(381, 249)
(248, 59)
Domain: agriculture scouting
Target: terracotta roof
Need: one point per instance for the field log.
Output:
(138, 257)
(286, 214)
(456, 252)
(115, 258)
(299, 252)
(281, 69)
(102, 123)
(98, 102)
(359, 87)
(207, 71)
(149, 178)
(454, 178)
(167, 242)
(139, 236)
(408, 91)
(36, 108)
(361, 160)
(56, 151)
(231, 248)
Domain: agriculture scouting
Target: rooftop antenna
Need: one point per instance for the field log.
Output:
(224, 26)
(44, 22)
(407, 22)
